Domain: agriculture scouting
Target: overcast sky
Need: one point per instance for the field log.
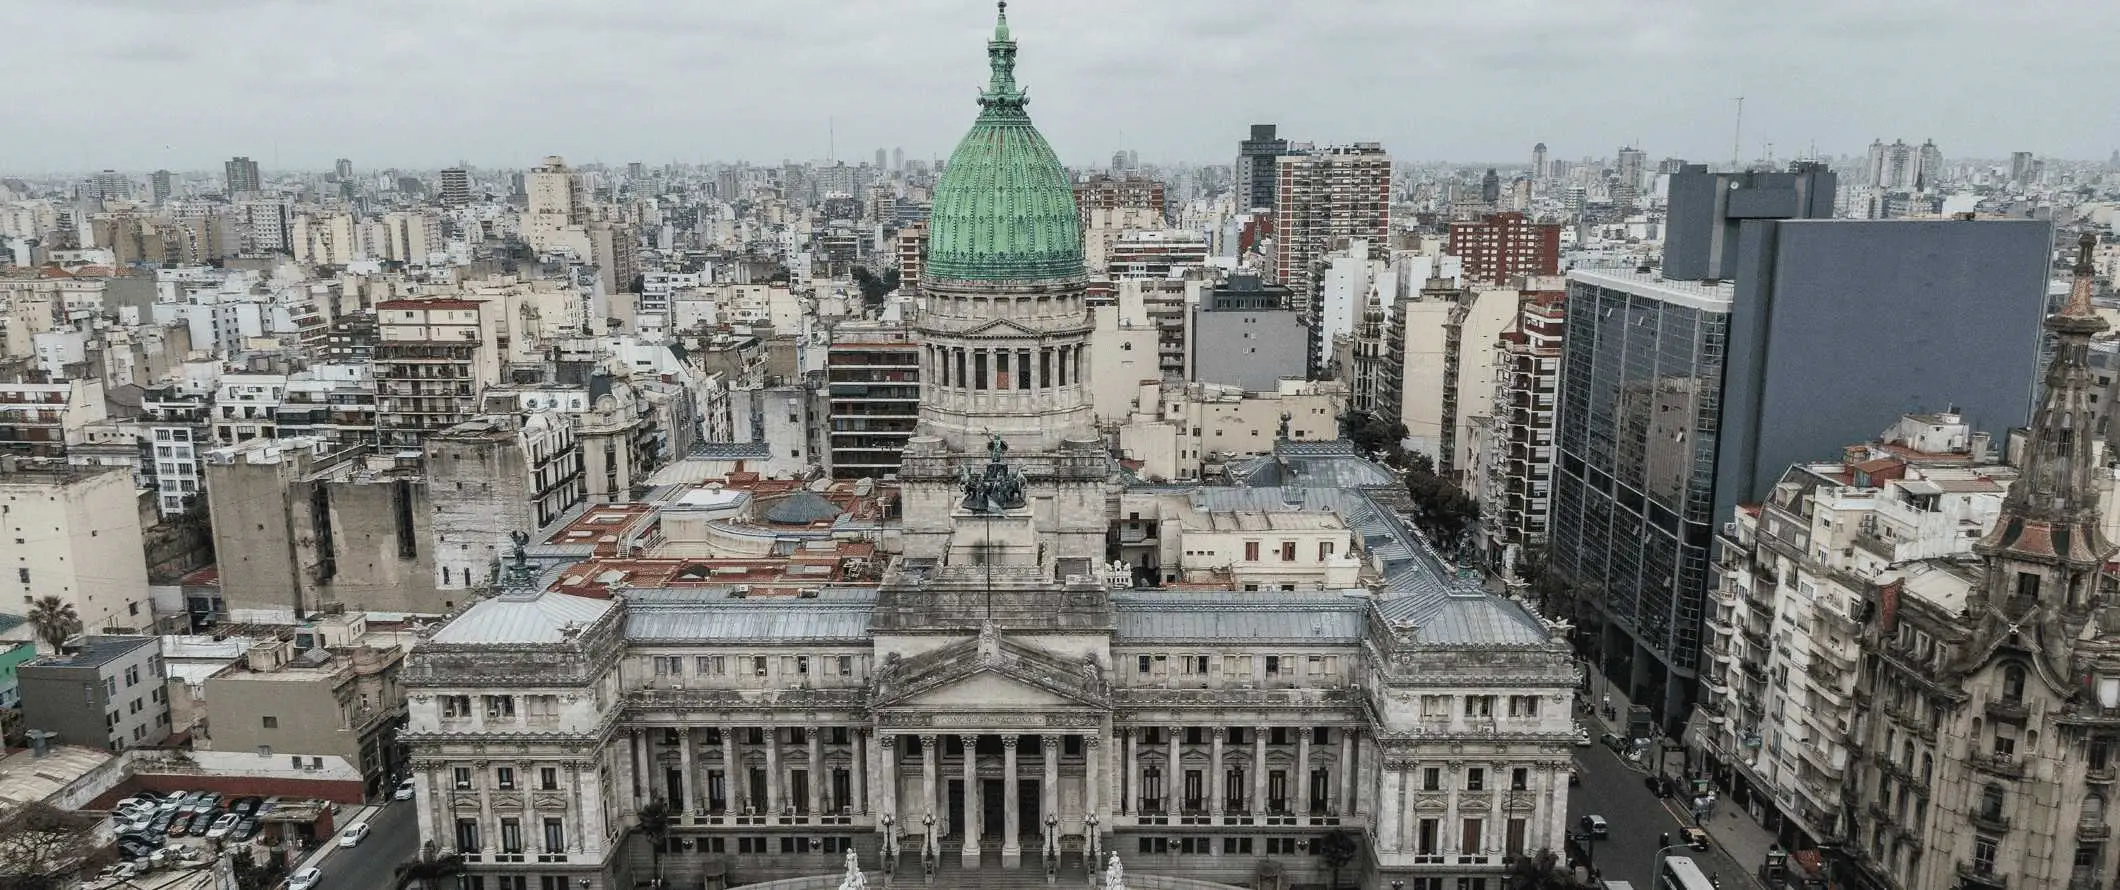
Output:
(183, 84)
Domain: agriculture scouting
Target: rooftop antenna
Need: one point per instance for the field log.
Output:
(831, 139)
(1737, 138)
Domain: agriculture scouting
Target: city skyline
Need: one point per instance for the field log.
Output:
(427, 85)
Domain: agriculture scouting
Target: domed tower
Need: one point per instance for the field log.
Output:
(1005, 324)
(1004, 328)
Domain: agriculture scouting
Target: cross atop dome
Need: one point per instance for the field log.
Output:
(1001, 93)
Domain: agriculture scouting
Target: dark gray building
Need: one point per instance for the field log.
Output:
(1706, 209)
(1245, 334)
(1256, 167)
(1682, 399)
(106, 692)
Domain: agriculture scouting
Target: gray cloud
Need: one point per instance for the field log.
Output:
(139, 84)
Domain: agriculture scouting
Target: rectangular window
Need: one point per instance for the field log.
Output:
(1469, 843)
(1519, 779)
(467, 835)
(463, 777)
(1324, 550)
(846, 665)
(1432, 779)
(758, 665)
(1479, 706)
(504, 778)
(1288, 551)
(1251, 554)
(512, 835)
(1425, 840)
(500, 707)
(548, 778)
(555, 836)
(710, 666)
(271, 722)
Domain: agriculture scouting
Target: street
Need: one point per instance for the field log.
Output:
(1612, 789)
(373, 864)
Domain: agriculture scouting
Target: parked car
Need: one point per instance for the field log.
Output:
(1617, 744)
(180, 826)
(305, 879)
(1582, 736)
(222, 826)
(134, 848)
(354, 835)
(175, 803)
(164, 822)
(206, 803)
(246, 829)
(133, 807)
(1695, 838)
(1596, 827)
(202, 822)
(246, 806)
(406, 790)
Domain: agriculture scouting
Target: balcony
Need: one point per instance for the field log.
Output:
(2013, 711)
(1999, 764)
(1981, 875)
(2099, 775)
(1992, 822)
(2087, 832)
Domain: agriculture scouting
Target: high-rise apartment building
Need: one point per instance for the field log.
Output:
(1627, 175)
(1500, 247)
(1516, 471)
(1256, 172)
(2021, 166)
(1539, 165)
(1323, 198)
(79, 534)
(872, 380)
(160, 183)
(1491, 189)
(1681, 399)
(456, 186)
(1106, 192)
(240, 174)
(110, 185)
(343, 168)
(432, 360)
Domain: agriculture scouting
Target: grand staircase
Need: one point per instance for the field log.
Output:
(951, 873)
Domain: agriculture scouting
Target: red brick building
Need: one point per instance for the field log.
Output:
(1500, 246)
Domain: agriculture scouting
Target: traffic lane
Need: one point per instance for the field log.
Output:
(1610, 788)
(393, 838)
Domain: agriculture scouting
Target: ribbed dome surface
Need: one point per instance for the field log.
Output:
(1004, 210)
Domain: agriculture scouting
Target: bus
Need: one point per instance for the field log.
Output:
(1680, 873)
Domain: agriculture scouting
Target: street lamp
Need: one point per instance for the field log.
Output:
(927, 836)
(1089, 827)
(1398, 885)
(890, 843)
(1052, 835)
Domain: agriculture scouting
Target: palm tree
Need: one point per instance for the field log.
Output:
(1339, 847)
(655, 823)
(55, 621)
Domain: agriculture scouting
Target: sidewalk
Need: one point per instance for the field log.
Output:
(1735, 831)
(345, 818)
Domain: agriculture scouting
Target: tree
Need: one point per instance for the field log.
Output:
(1339, 847)
(655, 824)
(41, 848)
(1442, 509)
(1540, 872)
(428, 870)
(55, 621)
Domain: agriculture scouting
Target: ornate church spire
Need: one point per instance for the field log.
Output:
(2051, 513)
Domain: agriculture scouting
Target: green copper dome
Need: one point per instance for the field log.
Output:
(1004, 210)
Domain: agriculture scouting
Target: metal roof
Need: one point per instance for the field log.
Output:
(1468, 618)
(544, 618)
(1321, 617)
(707, 615)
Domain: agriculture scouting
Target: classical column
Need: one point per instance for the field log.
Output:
(1214, 772)
(1011, 839)
(774, 801)
(886, 749)
(973, 812)
(1344, 789)
(1130, 794)
(1390, 836)
(1092, 775)
(1049, 790)
(817, 772)
(686, 757)
(1258, 770)
(732, 772)
(858, 762)
(639, 768)
(1301, 780)
(928, 804)
(1173, 772)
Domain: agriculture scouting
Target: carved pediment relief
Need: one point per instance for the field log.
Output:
(1431, 801)
(549, 803)
(509, 804)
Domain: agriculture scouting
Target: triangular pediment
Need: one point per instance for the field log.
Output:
(1000, 327)
(998, 674)
(987, 689)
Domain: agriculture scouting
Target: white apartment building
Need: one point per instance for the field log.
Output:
(247, 406)
(1779, 685)
(1512, 476)
(1189, 430)
(75, 534)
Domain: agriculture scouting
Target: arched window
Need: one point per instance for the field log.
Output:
(1991, 801)
(2093, 813)
(2013, 683)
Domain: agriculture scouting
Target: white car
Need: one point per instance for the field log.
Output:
(222, 826)
(354, 836)
(306, 879)
(133, 808)
(405, 791)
